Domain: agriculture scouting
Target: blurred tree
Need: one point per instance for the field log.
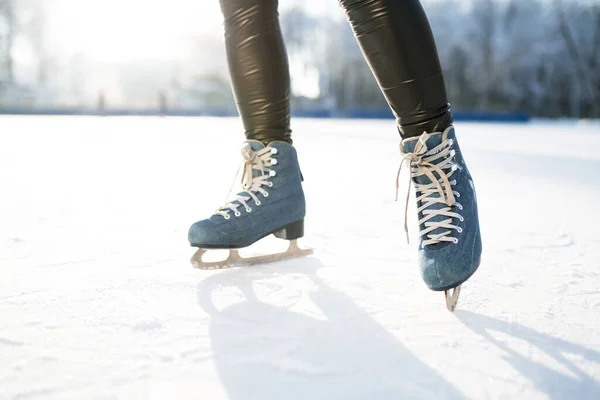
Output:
(583, 60)
(8, 33)
(36, 30)
(485, 17)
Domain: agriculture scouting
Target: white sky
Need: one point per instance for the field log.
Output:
(120, 30)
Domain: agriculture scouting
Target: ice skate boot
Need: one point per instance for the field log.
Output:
(271, 202)
(449, 236)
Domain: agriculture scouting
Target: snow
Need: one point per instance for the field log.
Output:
(98, 299)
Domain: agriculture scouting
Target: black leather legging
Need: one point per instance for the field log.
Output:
(395, 38)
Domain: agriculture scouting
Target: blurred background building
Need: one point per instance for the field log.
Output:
(536, 57)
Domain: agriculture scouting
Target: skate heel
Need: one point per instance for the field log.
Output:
(292, 231)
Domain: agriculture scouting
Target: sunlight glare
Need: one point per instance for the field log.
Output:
(125, 30)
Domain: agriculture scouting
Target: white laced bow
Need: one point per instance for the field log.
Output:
(438, 165)
(259, 160)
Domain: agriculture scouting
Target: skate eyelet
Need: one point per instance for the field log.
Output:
(462, 219)
(266, 194)
(258, 203)
(273, 161)
(237, 214)
(457, 195)
(248, 209)
(226, 216)
(459, 230)
(455, 241)
(270, 184)
(272, 173)
(274, 150)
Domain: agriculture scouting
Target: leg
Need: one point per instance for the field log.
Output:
(272, 199)
(396, 39)
(258, 67)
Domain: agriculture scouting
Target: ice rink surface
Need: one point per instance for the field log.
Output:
(98, 299)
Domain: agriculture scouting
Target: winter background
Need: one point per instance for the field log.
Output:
(98, 299)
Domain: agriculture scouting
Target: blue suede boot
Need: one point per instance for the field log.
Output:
(449, 236)
(272, 202)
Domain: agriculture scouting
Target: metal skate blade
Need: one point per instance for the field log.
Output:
(452, 300)
(235, 260)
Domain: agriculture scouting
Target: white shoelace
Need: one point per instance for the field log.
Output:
(422, 162)
(253, 160)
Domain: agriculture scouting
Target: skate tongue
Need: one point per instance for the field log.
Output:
(433, 140)
(254, 145)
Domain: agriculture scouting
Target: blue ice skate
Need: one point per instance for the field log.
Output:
(272, 202)
(450, 240)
